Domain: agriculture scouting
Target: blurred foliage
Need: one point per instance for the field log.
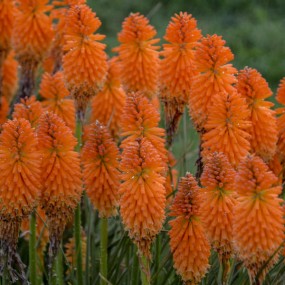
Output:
(254, 30)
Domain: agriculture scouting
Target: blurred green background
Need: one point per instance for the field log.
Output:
(254, 30)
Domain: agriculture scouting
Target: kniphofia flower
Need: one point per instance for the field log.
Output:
(85, 61)
(29, 109)
(53, 61)
(258, 215)
(20, 188)
(140, 119)
(53, 90)
(142, 193)
(100, 159)
(215, 75)
(10, 76)
(70, 252)
(177, 67)
(61, 175)
(32, 36)
(254, 88)
(7, 16)
(139, 58)
(217, 202)
(108, 104)
(228, 126)
(188, 242)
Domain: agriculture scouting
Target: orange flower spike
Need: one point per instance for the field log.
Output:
(218, 200)
(61, 175)
(100, 159)
(85, 61)
(227, 128)
(188, 243)
(215, 74)
(254, 88)
(53, 90)
(20, 186)
(32, 36)
(108, 104)
(140, 119)
(70, 252)
(177, 66)
(10, 76)
(32, 33)
(276, 167)
(142, 193)
(7, 15)
(53, 61)
(29, 109)
(258, 215)
(139, 58)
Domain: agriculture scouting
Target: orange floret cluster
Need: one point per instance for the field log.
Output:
(188, 243)
(85, 61)
(177, 66)
(140, 119)
(32, 34)
(254, 88)
(100, 159)
(20, 174)
(29, 109)
(139, 58)
(53, 90)
(215, 75)
(20, 186)
(258, 216)
(70, 252)
(228, 126)
(9, 76)
(108, 104)
(142, 193)
(7, 15)
(217, 202)
(61, 175)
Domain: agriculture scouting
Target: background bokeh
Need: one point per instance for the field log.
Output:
(253, 29)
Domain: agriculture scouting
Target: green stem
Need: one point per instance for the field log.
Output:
(135, 271)
(77, 220)
(157, 253)
(32, 250)
(103, 250)
(90, 229)
(145, 272)
(59, 268)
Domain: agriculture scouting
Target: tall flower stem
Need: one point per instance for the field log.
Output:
(77, 218)
(145, 271)
(103, 249)
(135, 271)
(32, 250)
(59, 268)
